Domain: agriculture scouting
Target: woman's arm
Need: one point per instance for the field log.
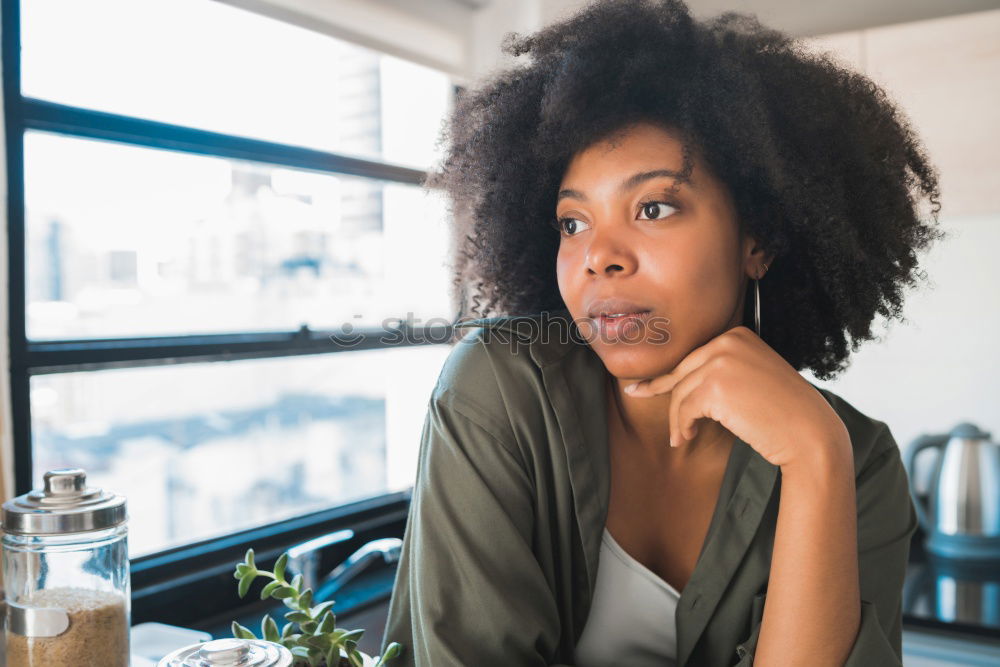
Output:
(813, 600)
(841, 545)
(468, 588)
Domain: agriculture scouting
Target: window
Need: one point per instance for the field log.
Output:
(217, 239)
(206, 65)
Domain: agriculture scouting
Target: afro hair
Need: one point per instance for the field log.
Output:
(824, 170)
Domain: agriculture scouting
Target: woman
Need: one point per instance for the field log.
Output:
(626, 467)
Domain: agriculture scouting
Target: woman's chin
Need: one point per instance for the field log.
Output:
(631, 361)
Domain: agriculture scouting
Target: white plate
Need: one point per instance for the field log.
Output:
(152, 641)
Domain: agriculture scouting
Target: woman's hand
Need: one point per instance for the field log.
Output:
(741, 382)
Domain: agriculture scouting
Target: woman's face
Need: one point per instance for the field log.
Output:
(625, 236)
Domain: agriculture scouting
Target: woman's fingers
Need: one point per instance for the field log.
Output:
(652, 387)
(695, 359)
(686, 406)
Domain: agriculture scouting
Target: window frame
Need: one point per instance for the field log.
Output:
(186, 584)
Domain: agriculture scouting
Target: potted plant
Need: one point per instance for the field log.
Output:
(311, 633)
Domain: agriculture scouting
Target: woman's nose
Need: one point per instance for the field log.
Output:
(608, 255)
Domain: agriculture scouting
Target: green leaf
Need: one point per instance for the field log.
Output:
(269, 629)
(300, 652)
(318, 610)
(391, 651)
(309, 627)
(248, 558)
(279, 566)
(245, 585)
(337, 634)
(287, 630)
(333, 656)
(352, 636)
(306, 599)
(322, 642)
(355, 659)
(269, 588)
(282, 592)
(327, 624)
(243, 568)
(297, 583)
(298, 617)
(241, 632)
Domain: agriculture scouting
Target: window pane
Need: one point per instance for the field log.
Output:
(210, 66)
(202, 450)
(127, 241)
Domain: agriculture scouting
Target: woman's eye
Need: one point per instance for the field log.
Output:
(570, 226)
(654, 208)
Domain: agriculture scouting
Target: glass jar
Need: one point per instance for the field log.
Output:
(66, 575)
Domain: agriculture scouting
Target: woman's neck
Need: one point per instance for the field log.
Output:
(644, 424)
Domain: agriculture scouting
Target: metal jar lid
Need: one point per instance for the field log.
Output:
(65, 505)
(230, 653)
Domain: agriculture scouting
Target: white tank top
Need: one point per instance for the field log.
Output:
(631, 620)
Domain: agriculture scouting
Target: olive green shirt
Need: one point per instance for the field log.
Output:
(500, 551)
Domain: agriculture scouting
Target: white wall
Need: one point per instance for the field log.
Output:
(799, 18)
(434, 33)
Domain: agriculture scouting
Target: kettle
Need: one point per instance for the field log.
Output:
(962, 517)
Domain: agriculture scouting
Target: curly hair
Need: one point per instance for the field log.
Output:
(824, 170)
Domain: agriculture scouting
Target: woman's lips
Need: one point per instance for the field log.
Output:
(622, 326)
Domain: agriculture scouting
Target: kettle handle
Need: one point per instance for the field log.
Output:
(921, 443)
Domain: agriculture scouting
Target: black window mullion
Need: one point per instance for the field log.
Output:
(74, 121)
(60, 356)
(16, 331)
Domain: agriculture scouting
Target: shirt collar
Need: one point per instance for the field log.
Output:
(551, 334)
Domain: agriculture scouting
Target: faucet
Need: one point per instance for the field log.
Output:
(304, 559)
(388, 548)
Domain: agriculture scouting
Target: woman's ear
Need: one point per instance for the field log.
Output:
(755, 257)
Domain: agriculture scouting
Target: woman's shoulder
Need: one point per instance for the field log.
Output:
(504, 341)
(496, 365)
(870, 437)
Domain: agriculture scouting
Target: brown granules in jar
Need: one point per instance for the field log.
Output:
(97, 633)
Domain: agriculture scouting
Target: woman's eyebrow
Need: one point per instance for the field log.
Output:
(628, 183)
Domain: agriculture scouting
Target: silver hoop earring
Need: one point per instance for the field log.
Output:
(756, 300)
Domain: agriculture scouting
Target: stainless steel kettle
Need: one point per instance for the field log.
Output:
(962, 518)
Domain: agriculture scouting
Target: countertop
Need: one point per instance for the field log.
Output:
(953, 596)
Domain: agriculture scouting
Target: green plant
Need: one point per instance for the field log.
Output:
(317, 641)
